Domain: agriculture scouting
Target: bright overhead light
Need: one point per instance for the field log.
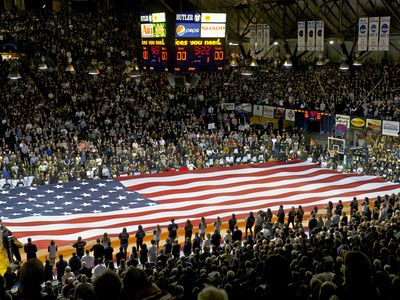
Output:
(275, 43)
(93, 71)
(247, 72)
(331, 42)
(320, 62)
(14, 75)
(253, 63)
(357, 62)
(288, 63)
(70, 68)
(344, 65)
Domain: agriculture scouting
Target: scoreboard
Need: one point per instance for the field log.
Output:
(198, 45)
(199, 55)
(154, 48)
(199, 42)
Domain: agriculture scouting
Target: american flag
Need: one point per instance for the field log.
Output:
(89, 208)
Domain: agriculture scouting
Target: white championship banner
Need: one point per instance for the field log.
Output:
(363, 34)
(319, 39)
(373, 34)
(384, 34)
(311, 36)
(301, 36)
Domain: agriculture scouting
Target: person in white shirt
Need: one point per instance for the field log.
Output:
(265, 231)
(153, 251)
(228, 237)
(99, 269)
(339, 167)
(88, 259)
(207, 241)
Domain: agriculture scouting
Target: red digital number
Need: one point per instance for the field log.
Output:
(164, 55)
(155, 50)
(145, 55)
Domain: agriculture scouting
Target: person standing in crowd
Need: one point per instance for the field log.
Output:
(153, 251)
(232, 222)
(105, 240)
(98, 251)
(353, 206)
(88, 259)
(259, 222)
(187, 247)
(143, 255)
(291, 216)
(30, 249)
(188, 230)
(61, 265)
(250, 223)
(339, 208)
(196, 241)
(172, 230)
(80, 247)
(124, 240)
(217, 224)
(300, 214)
(157, 233)
(280, 216)
(202, 229)
(140, 234)
(52, 250)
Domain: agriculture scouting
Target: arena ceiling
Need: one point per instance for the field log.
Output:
(340, 16)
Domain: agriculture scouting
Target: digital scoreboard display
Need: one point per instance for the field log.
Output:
(154, 48)
(199, 55)
(199, 44)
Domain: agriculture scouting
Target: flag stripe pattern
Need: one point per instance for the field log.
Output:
(153, 199)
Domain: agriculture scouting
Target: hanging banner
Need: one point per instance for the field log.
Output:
(384, 34)
(268, 111)
(289, 114)
(311, 36)
(253, 37)
(374, 126)
(301, 36)
(266, 36)
(257, 110)
(260, 35)
(390, 128)
(363, 34)
(343, 120)
(319, 40)
(373, 34)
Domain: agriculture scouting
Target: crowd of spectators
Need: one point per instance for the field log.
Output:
(59, 126)
(354, 254)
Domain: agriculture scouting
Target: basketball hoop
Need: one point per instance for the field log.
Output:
(332, 153)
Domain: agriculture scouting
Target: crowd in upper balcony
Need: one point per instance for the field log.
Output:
(59, 126)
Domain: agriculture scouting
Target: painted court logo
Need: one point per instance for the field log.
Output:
(180, 30)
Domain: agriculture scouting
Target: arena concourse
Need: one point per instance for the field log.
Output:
(61, 127)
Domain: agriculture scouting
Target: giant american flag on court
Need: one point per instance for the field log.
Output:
(89, 208)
